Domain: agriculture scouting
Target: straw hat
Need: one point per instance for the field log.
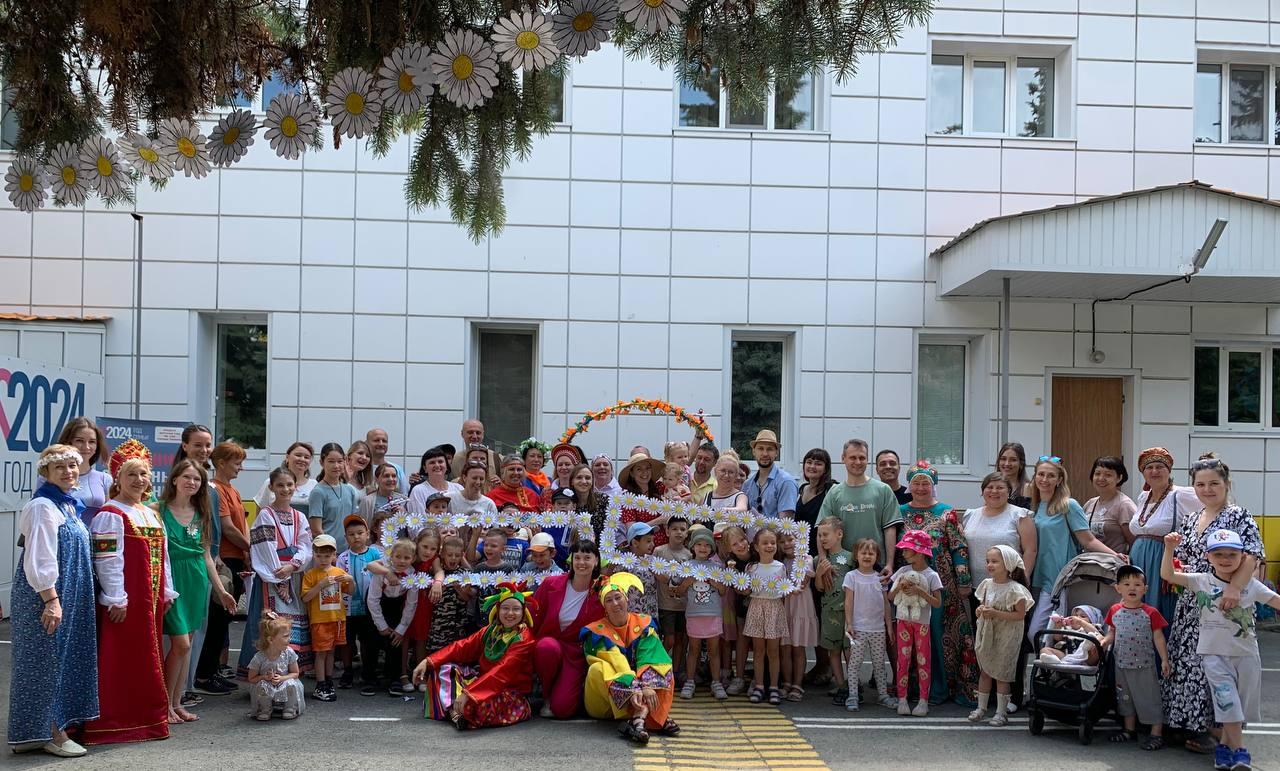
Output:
(624, 476)
(766, 437)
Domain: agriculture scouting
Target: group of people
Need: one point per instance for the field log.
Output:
(122, 585)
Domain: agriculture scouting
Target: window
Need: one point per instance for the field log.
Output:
(273, 84)
(8, 122)
(756, 389)
(941, 381)
(504, 385)
(791, 105)
(1012, 96)
(1236, 386)
(240, 401)
(1241, 97)
(558, 84)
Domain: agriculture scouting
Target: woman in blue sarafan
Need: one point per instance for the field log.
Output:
(54, 682)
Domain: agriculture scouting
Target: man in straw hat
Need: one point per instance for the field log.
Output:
(770, 491)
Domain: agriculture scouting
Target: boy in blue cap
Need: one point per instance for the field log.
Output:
(640, 543)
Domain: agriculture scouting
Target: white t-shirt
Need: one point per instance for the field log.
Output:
(1181, 502)
(764, 572)
(573, 600)
(1233, 632)
(982, 532)
(868, 600)
(459, 504)
(418, 495)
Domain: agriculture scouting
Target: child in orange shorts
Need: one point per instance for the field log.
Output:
(322, 588)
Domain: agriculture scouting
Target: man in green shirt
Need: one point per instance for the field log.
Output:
(867, 506)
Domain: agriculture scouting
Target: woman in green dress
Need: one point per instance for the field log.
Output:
(185, 509)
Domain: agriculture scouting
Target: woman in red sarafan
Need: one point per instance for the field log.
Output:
(131, 563)
(484, 680)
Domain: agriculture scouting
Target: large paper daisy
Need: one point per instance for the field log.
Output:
(230, 139)
(65, 181)
(466, 68)
(524, 40)
(143, 154)
(24, 182)
(405, 79)
(291, 125)
(183, 144)
(653, 16)
(352, 103)
(583, 25)
(102, 169)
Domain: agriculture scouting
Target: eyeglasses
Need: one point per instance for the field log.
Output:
(1050, 459)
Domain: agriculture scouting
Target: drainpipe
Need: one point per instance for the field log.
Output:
(137, 325)
(1005, 323)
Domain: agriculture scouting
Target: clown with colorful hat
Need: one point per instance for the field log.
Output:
(484, 680)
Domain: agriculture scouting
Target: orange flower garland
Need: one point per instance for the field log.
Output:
(651, 406)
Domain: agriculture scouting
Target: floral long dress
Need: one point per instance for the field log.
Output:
(950, 631)
(1185, 692)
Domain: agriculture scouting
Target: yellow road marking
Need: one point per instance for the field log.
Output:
(717, 734)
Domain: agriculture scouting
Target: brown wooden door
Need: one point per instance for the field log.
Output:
(1088, 421)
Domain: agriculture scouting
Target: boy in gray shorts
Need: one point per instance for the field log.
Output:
(1134, 626)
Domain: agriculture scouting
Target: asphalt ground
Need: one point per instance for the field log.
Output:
(381, 732)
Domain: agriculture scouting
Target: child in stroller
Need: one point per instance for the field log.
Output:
(1071, 650)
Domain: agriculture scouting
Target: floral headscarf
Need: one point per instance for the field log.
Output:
(922, 467)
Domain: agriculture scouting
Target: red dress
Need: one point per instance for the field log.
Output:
(524, 498)
(131, 691)
(420, 627)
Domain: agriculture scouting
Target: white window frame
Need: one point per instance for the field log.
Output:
(567, 84)
(821, 93)
(203, 373)
(477, 328)
(788, 432)
(1266, 393)
(978, 367)
(1272, 76)
(4, 152)
(1010, 62)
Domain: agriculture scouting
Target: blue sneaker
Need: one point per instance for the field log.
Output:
(1223, 758)
(1241, 760)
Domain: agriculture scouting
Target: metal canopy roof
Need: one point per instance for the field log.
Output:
(1107, 247)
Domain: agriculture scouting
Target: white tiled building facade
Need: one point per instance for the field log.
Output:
(638, 250)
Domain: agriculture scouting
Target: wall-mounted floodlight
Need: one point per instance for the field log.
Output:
(1202, 254)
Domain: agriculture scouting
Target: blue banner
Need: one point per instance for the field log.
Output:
(162, 438)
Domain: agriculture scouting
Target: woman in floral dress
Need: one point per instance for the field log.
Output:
(1185, 692)
(951, 632)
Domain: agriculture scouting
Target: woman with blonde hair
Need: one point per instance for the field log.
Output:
(1062, 532)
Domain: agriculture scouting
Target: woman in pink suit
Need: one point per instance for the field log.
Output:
(564, 604)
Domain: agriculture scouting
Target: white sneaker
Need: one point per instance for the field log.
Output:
(922, 708)
(545, 712)
(904, 708)
(687, 691)
(1011, 708)
(736, 687)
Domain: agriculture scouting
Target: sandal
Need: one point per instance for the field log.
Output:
(775, 696)
(1202, 744)
(756, 695)
(1153, 742)
(998, 720)
(670, 728)
(795, 693)
(633, 730)
(456, 718)
(1120, 737)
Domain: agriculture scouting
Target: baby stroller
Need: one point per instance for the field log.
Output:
(1077, 694)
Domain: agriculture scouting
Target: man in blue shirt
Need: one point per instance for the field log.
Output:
(770, 491)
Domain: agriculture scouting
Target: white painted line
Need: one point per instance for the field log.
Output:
(889, 726)
(374, 719)
(899, 719)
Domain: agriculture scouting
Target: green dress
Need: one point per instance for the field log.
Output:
(190, 577)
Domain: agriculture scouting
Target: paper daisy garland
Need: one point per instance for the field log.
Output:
(352, 103)
(525, 40)
(465, 67)
(65, 181)
(653, 16)
(101, 168)
(143, 154)
(737, 579)
(24, 182)
(182, 143)
(291, 125)
(484, 579)
(405, 79)
(230, 139)
(582, 25)
(409, 521)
